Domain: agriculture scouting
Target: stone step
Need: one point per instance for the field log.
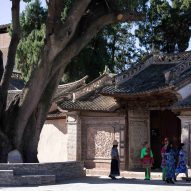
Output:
(6, 173)
(22, 180)
(37, 179)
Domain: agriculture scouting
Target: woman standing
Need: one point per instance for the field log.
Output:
(181, 165)
(147, 160)
(114, 161)
(170, 164)
(163, 163)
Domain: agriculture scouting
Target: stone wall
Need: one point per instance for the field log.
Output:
(98, 132)
(139, 132)
(53, 141)
(40, 173)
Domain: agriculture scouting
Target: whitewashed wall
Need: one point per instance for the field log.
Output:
(52, 145)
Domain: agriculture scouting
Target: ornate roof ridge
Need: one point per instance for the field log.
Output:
(173, 73)
(82, 80)
(132, 71)
(105, 79)
(153, 59)
(64, 89)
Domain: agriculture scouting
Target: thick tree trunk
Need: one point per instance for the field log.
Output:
(36, 121)
(7, 136)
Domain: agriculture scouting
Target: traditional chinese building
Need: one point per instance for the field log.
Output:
(150, 101)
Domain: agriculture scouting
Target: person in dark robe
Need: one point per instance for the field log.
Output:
(114, 171)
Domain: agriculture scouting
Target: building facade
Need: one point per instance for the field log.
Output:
(148, 102)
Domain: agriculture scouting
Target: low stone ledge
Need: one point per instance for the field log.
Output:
(6, 173)
(62, 171)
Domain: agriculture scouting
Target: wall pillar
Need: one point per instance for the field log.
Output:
(74, 136)
(139, 132)
(186, 135)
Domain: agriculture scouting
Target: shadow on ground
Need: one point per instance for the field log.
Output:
(106, 180)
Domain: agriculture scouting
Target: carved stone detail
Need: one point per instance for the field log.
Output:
(99, 142)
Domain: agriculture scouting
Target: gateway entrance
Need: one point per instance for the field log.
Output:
(163, 124)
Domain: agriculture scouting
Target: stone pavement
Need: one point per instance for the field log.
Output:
(105, 184)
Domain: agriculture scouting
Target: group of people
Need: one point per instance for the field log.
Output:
(173, 161)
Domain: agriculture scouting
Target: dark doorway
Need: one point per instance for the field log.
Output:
(163, 124)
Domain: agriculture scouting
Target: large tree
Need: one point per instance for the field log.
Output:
(67, 32)
(113, 46)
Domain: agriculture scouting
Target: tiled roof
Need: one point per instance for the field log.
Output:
(183, 104)
(159, 73)
(181, 60)
(68, 88)
(100, 103)
(55, 114)
(151, 78)
(88, 97)
(183, 76)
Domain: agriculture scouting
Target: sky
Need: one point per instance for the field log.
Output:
(5, 13)
(5, 10)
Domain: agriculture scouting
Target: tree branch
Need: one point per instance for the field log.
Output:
(80, 42)
(64, 32)
(12, 50)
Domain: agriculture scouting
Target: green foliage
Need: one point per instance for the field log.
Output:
(122, 46)
(68, 4)
(33, 32)
(91, 61)
(114, 46)
(167, 26)
(33, 17)
(28, 51)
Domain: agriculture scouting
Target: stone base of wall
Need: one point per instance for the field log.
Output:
(39, 173)
(100, 164)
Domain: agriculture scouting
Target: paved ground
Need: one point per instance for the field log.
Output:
(105, 184)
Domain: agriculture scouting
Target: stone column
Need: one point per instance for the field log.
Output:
(139, 132)
(186, 135)
(74, 136)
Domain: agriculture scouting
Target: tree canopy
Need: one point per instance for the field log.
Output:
(114, 46)
(167, 26)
